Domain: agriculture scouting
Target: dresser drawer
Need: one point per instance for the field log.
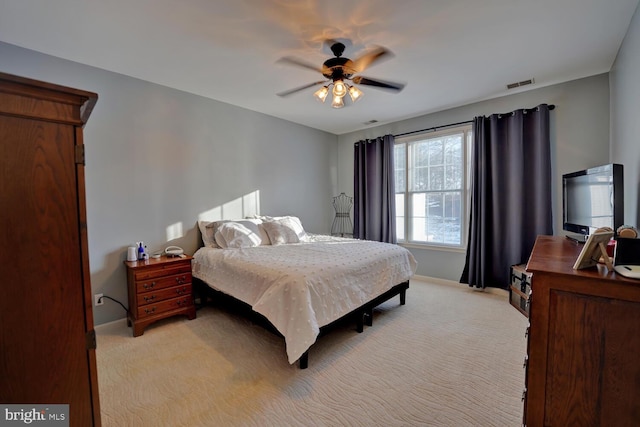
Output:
(163, 306)
(163, 270)
(163, 294)
(162, 282)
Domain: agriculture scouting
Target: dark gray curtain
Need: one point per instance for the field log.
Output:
(510, 193)
(374, 216)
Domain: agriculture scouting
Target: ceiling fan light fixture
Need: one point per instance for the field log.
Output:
(339, 88)
(355, 93)
(321, 94)
(338, 73)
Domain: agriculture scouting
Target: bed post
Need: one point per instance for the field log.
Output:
(360, 321)
(304, 360)
(368, 316)
(403, 294)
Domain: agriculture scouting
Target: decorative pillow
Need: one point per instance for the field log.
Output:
(279, 233)
(295, 224)
(255, 225)
(236, 235)
(208, 234)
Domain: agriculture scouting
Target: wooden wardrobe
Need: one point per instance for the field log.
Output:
(47, 341)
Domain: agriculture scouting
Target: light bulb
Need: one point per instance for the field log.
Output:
(321, 94)
(355, 93)
(339, 88)
(337, 102)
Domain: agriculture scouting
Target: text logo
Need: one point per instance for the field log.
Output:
(37, 415)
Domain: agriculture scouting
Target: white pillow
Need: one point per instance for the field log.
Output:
(208, 234)
(280, 234)
(236, 235)
(295, 224)
(287, 229)
(255, 225)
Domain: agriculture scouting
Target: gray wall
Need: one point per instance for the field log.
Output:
(579, 137)
(625, 118)
(158, 159)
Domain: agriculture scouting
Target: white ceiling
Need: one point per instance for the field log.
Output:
(448, 52)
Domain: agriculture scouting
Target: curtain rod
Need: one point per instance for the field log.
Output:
(528, 110)
(551, 107)
(433, 128)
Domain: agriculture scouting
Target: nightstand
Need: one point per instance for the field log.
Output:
(159, 288)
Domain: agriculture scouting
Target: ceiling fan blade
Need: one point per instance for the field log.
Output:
(378, 83)
(299, 63)
(366, 60)
(298, 89)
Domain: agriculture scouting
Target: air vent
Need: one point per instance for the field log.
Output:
(370, 122)
(518, 84)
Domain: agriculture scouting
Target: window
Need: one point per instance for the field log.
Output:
(431, 178)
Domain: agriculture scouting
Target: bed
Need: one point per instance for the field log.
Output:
(300, 282)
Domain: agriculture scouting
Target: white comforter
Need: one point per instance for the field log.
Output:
(302, 286)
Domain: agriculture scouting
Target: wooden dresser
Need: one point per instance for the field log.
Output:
(47, 341)
(583, 364)
(159, 288)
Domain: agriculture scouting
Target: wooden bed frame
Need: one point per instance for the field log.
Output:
(362, 315)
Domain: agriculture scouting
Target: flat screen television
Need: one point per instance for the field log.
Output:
(593, 198)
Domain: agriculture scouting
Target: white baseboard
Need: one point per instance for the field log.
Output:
(116, 323)
(440, 281)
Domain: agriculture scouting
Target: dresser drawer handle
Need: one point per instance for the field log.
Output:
(150, 311)
(181, 280)
(180, 302)
(149, 299)
(149, 286)
(524, 395)
(526, 360)
(182, 291)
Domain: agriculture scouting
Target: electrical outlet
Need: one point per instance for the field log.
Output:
(98, 300)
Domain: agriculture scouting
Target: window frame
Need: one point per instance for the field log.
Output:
(467, 131)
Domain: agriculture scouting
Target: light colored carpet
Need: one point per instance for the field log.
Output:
(450, 357)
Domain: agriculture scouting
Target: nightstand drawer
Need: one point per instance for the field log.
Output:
(163, 282)
(163, 270)
(163, 294)
(163, 306)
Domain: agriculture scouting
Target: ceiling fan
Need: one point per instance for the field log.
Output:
(339, 73)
